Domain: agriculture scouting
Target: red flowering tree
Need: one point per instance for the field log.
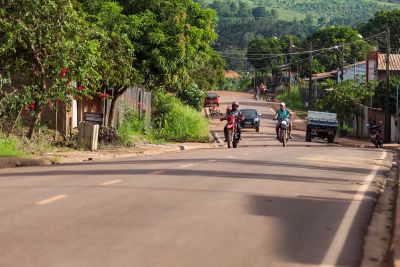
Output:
(51, 43)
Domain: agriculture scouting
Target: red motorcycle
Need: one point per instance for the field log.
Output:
(375, 132)
(232, 134)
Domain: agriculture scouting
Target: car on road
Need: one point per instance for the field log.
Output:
(212, 99)
(251, 119)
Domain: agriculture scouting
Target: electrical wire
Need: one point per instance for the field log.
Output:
(264, 56)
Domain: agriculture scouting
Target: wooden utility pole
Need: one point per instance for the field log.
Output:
(290, 64)
(310, 84)
(342, 64)
(388, 119)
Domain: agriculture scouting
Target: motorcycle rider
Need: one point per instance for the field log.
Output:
(233, 112)
(281, 114)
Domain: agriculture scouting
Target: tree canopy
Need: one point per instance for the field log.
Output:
(100, 44)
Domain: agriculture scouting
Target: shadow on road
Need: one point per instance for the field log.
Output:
(306, 237)
(234, 173)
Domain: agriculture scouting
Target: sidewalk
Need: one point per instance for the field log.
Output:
(301, 125)
(106, 154)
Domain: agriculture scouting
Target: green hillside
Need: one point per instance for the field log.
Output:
(240, 21)
(290, 10)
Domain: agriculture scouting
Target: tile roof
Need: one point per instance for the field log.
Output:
(231, 74)
(394, 62)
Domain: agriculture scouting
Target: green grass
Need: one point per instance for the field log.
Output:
(131, 130)
(184, 124)
(176, 122)
(290, 15)
(10, 147)
(292, 99)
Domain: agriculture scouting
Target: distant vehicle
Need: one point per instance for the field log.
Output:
(322, 125)
(375, 132)
(251, 119)
(211, 100)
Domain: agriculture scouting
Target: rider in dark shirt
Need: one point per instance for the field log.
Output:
(234, 111)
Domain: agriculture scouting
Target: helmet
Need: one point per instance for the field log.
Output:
(235, 103)
(283, 104)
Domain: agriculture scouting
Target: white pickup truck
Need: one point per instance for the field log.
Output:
(322, 125)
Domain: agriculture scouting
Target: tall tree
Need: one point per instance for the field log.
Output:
(266, 54)
(46, 41)
(349, 42)
(379, 24)
(116, 30)
(175, 41)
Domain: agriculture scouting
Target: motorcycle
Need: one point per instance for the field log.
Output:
(375, 132)
(233, 136)
(283, 128)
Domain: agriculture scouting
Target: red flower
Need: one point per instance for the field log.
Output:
(64, 72)
(32, 106)
(104, 95)
(80, 88)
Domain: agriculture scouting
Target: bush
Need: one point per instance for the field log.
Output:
(292, 99)
(131, 128)
(174, 121)
(242, 84)
(10, 147)
(193, 96)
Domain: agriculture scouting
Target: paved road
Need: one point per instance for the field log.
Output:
(258, 205)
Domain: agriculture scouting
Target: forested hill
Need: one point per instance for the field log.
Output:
(242, 20)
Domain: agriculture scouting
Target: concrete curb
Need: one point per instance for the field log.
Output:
(395, 242)
(22, 162)
(98, 156)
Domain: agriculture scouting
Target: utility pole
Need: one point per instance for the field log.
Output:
(397, 114)
(342, 64)
(290, 64)
(387, 92)
(310, 84)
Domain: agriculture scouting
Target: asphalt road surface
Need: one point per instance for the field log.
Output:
(257, 205)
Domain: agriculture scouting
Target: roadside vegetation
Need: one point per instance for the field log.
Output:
(174, 121)
(59, 50)
(240, 84)
(292, 98)
(10, 147)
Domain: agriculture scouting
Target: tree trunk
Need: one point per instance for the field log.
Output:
(112, 112)
(34, 125)
(117, 93)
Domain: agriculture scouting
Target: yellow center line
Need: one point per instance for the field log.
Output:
(111, 182)
(50, 200)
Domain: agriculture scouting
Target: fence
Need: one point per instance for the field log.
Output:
(135, 98)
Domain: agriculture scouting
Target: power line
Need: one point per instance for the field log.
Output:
(302, 52)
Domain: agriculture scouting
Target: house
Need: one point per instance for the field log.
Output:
(353, 71)
(66, 117)
(376, 66)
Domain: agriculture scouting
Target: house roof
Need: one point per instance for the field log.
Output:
(231, 74)
(359, 63)
(324, 75)
(394, 62)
